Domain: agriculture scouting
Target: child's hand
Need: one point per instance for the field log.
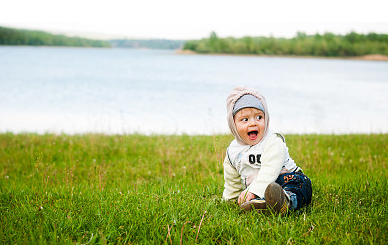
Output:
(245, 196)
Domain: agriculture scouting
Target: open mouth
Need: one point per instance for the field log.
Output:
(252, 135)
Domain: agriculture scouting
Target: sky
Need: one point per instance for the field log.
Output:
(181, 19)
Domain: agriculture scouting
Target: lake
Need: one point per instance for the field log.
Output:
(116, 91)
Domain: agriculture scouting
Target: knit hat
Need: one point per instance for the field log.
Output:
(247, 101)
(232, 99)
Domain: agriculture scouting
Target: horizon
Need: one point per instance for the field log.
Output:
(106, 37)
(177, 20)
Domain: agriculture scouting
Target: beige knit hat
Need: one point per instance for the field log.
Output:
(236, 94)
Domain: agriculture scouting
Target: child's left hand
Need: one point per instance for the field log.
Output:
(245, 196)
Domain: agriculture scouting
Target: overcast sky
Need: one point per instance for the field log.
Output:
(180, 19)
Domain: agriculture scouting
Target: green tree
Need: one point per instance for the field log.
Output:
(328, 44)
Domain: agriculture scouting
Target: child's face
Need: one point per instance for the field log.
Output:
(250, 125)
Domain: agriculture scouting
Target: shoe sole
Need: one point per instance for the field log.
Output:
(258, 205)
(276, 198)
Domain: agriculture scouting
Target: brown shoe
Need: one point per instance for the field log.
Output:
(276, 198)
(254, 204)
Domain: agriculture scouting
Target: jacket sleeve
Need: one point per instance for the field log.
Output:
(272, 160)
(233, 185)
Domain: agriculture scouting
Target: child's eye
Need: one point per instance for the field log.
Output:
(259, 117)
(244, 119)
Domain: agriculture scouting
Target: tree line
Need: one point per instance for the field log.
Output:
(10, 36)
(328, 44)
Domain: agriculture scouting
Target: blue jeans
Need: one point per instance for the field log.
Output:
(300, 187)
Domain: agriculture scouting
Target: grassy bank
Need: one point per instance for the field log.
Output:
(372, 57)
(89, 189)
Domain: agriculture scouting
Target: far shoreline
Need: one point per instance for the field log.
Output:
(370, 57)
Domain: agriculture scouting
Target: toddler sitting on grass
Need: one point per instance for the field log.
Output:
(258, 169)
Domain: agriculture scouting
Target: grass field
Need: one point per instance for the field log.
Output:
(134, 189)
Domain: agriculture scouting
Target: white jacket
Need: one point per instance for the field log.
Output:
(255, 167)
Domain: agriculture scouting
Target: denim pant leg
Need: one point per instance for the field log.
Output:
(299, 184)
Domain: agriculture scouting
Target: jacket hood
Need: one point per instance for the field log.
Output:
(236, 94)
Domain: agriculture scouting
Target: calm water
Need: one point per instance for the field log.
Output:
(78, 90)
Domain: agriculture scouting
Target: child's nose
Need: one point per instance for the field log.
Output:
(252, 122)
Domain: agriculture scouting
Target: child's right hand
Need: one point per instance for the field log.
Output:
(245, 196)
